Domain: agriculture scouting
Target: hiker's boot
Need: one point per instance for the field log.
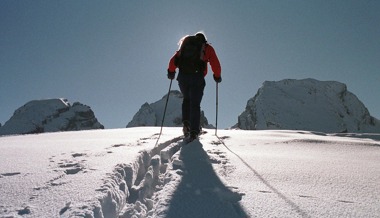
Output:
(186, 129)
(193, 136)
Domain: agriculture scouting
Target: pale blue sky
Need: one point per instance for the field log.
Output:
(113, 55)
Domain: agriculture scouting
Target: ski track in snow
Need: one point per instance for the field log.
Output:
(113, 192)
(176, 179)
(171, 180)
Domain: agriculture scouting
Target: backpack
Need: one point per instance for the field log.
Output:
(190, 58)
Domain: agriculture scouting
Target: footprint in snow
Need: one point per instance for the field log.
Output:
(347, 202)
(24, 211)
(71, 168)
(9, 174)
(78, 154)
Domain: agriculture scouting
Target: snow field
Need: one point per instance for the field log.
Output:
(118, 173)
(68, 173)
(127, 192)
(305, 174)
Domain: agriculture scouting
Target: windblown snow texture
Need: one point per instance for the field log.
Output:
(50, 115)
(307, 105)
(151, 114)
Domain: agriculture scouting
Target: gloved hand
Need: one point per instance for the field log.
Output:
(218, 79)
(171, 75)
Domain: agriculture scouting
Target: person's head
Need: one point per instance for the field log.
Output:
(201, 36)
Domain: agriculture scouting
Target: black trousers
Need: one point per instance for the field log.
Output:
(192, 87)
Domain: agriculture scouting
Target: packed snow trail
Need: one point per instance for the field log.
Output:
(198, 191)
(118, 173)
(184, 184)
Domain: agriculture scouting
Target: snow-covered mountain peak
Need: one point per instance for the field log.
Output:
(43, 107)
(307, 104)
(50, 115)
(151, 114)
(173, 93)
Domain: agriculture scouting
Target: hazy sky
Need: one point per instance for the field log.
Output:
(113, 55)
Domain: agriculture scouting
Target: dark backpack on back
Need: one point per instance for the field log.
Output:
(190, 59)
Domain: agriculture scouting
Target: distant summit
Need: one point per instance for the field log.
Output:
(308, 104)
(50, 115)
(151, 114)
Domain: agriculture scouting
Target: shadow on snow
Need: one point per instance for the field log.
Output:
(201, 193)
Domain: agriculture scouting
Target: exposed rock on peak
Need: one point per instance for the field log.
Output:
(50, 115)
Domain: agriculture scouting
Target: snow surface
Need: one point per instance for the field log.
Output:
(118, 173)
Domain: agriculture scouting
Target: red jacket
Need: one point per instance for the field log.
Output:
(209, 57)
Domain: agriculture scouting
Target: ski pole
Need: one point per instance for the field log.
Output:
(216, 122)
(163, 117)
